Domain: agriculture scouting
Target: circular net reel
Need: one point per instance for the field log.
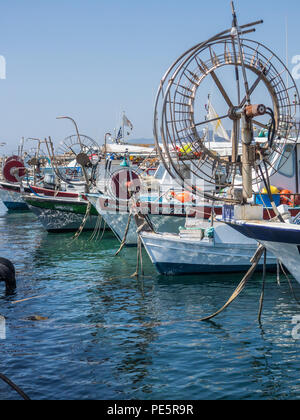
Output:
(73, 146)
(82, 149)
(14, 170)
(124, 184)
(32, 157)
(237, 75)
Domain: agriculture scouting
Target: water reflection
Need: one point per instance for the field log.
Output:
(112, 336)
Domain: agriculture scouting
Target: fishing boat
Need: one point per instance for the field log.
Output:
(280, 239)
(11, 196)
(20, 172)
(202, 249)
(117, 216)
(168, 205)
(249, 166)
(11, 184)
(58, 199)
(62, 214)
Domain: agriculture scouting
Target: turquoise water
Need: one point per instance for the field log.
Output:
(109, 336)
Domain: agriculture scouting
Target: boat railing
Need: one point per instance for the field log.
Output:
(290, 199)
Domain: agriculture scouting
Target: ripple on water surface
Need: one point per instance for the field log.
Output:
(108, 336)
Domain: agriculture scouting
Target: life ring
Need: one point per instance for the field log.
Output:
(125, 183)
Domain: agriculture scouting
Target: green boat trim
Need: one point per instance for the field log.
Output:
(76, 207)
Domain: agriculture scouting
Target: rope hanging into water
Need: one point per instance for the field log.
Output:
(14, 387)
(139, 262)
(98, 226)
(123, 243)
(255, 260)
(278, 273)
(262, 296)
(80, 230)
(98, 230)
(290, 283)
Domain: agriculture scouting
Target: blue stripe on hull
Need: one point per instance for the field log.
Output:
(10, 205)
(172, 269)
(268, 233)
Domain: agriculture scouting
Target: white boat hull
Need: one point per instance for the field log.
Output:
(12, 198)
(117, 222)
(280, 239)
(173, 255)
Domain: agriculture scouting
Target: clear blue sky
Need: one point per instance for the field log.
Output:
(92, 59)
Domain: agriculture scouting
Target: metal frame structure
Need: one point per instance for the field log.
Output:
(176, 120)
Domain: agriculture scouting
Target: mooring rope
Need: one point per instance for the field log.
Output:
(123, 243)
(139, 263)
(278, 273)
(262, 296)
(289, 282)
(255, 260)
(14, 387)
(98, 226)
(102, 234)
(87, 213)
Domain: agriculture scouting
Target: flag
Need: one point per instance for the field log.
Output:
(218, 128)
(119, 136)
(127, 123)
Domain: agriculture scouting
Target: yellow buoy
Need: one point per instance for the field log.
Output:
(274, 190)
(186, 149)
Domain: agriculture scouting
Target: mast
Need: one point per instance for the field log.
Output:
(123, 127)
(208, 134)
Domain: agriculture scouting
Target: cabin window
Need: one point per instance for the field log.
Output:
(287, 162)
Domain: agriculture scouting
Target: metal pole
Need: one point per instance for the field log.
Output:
(123, 127)
(82, 151)
(247, 160)
(105, 143)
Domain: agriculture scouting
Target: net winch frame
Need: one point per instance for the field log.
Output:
(174, 115)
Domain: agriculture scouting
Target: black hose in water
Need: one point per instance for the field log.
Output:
(14, 387)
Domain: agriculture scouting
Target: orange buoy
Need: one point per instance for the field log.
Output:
(285, 197)
(183, 197)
